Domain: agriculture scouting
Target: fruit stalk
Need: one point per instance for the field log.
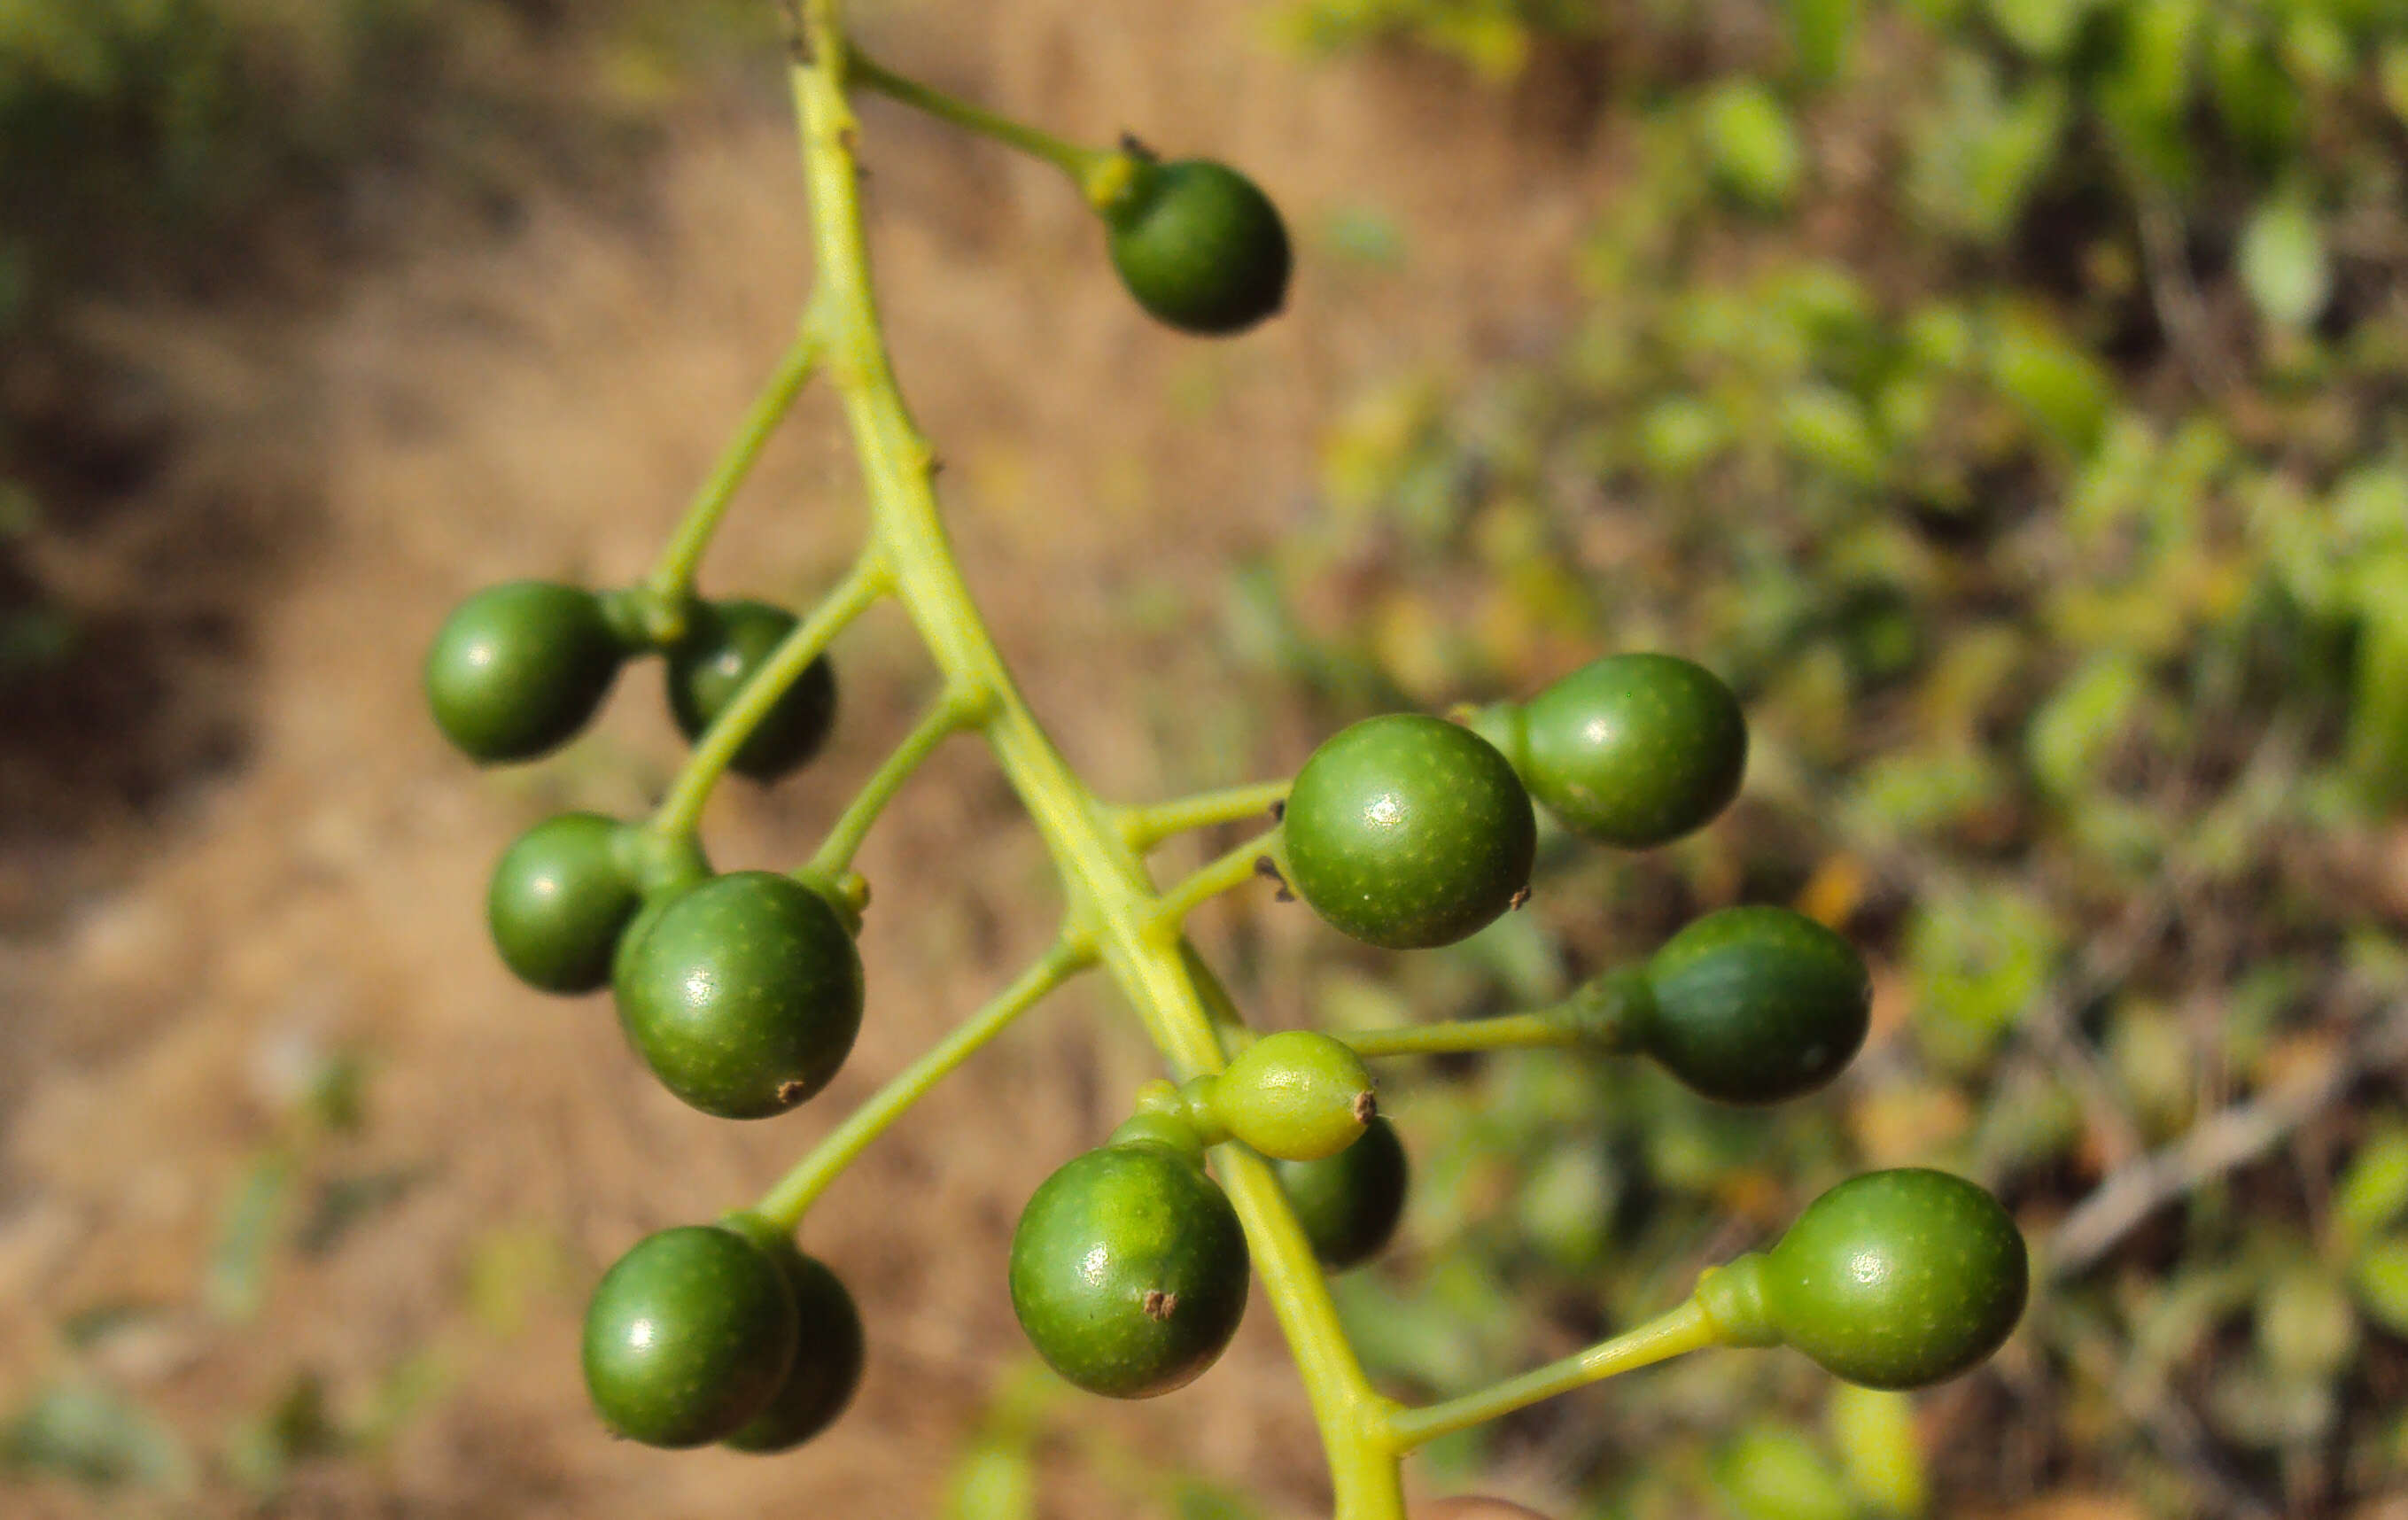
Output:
(672, 579)
(862, 586)
(1109, 897)
(785, 1204)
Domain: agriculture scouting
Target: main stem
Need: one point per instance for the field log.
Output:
(1111, 900)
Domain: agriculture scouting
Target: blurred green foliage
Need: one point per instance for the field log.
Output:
(2003, 394)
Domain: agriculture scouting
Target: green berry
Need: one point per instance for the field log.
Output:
(1128, 1270)
(1898, 1278)
(516, 670)
(1350, 1203)
(559, 899)
(1755, 1005)
(829, 1349)
(1632, 750)
(744, 993)
(1297, 1095)
(725, 644)
(688, 1336)
(1409, 831)
(1200, 246)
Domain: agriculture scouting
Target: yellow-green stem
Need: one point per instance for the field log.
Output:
(785, 1204)
(861, 587)
(947, 716)
(1110, 898)
(1079, 163)
(1147, 825)
(1683, 1330)
(1515, 1031)
(1226, 873)
(672, 579)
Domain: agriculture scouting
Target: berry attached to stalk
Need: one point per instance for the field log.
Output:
(728, 643)
(559, 899)
(1297, 1095)
(1197, 244)
(688, 1336)
(829, 1348)
(744, 993)
(1350, 1203)
(1407, 831)
(1633, 750)
(519, 668)
(1891, 1280)
(1128, 1268)
(1748, 1005)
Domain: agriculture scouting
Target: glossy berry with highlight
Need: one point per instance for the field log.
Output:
(688, 1336)
(1350, 1203)
(1898, 1278)
(558, 900)
(1407, 831)
(1200, 246)
(1632, 750)
(1297, 1095)
(518, 670)
(743, 993)
(1128, 1270)
(726, 644)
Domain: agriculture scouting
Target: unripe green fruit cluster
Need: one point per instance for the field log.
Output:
(519, 669)
(720, 1333)
(1128, 1268)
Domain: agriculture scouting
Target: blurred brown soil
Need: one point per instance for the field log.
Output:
(540, 404)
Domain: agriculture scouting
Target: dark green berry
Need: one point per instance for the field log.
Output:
(1350, 1203)
(1632, 750)
(725, 644)
(518, 670)
(828, 1350)
(1755, 1005)
(1128, 1270)
(1200, 246)
(559, 899)
(743, 993)
(1297, 1095)
(1898, 1278)
(688, 1336)
(1409, 831)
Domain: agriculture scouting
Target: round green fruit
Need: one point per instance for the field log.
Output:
(1297, 1095)
(1755, 1005)
(1200, 246)
(1633, 750)
(1350, 1203)
(1898, 1278)
(518, 670)
(743, 993)
(1407, 831)
(688, 1336)
(558, 900)
(828, 1350)
(1128, 1270)
(726, 644)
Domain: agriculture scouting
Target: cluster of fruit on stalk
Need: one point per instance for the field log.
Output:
(743, 990)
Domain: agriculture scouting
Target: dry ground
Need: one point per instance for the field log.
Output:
(539, 405)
